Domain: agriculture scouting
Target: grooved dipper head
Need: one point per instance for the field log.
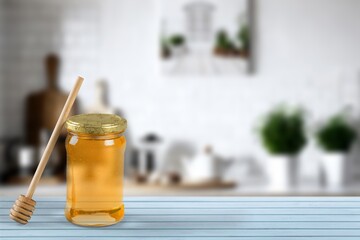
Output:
(22, 210)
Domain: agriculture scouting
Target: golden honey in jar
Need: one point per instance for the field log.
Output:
(95, 148)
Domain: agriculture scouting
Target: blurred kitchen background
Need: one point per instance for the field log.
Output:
(222, 97)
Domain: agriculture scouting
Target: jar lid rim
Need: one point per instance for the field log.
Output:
(96, 123)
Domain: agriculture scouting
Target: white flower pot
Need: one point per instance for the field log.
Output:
(282, 172)
(333, 166)
(178, 51)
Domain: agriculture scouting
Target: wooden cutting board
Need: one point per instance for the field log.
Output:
(43, 107)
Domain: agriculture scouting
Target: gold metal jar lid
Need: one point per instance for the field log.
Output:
(97, 124)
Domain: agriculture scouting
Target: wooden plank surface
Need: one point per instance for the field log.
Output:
(290, 218)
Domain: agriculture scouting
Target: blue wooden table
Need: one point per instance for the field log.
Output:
(245, 218)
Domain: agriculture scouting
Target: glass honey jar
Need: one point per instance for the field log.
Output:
(95, 148)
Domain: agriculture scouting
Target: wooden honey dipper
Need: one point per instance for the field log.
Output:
(24, 206)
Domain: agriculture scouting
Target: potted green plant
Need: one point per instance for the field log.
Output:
(223, 45)
(335, 137)
(283, 136)
(177, 43)
(164, 48)
(244, 39)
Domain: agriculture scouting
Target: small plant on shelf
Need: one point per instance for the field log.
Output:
(177, 40)
(164, 48)
(223, 46)
(244, 39)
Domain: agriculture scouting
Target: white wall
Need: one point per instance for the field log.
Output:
(305, 49)
(307, 54)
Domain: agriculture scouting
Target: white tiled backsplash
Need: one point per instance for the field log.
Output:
(33, 29)
(312, 61)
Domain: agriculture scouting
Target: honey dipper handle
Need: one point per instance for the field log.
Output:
(54, 136)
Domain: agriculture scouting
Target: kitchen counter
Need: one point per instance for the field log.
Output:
(255, 218)
(153, 190)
